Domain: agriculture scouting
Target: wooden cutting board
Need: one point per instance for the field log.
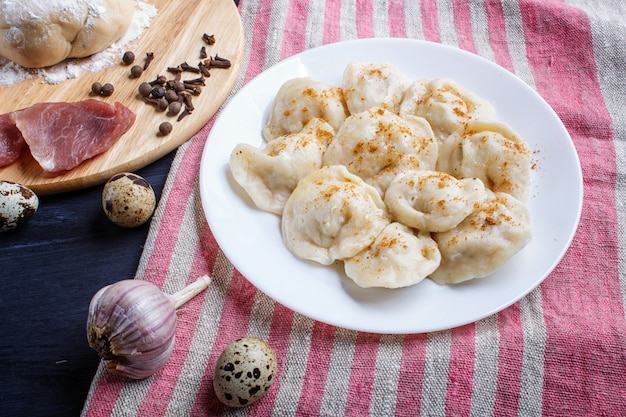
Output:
(174, 36)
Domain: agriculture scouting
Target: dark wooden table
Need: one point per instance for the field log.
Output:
(50, 268)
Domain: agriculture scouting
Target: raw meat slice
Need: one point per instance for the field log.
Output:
(63, 135)
(11, 141)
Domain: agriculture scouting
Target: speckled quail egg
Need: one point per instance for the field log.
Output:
(244, 372)
(128, 200)
(18, 203)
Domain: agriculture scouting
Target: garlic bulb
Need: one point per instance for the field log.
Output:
(131, 324)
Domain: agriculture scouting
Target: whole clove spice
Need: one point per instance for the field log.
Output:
(159, 80)
(184, 114)
(161, 104)
(187, 101)
(217, 62)
(186, 67)
(209, 39)
(195, 81)
(204, 69)
(203, 53)
(149, 58)
(193, 89)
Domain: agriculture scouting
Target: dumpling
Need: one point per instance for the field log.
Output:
(366, 85)
(397, 258)
(484, 241)
(432, 201)
(332, 215)
(491, 151)
(301, 99)
(445, 104)
(377, 145)
(269, 175)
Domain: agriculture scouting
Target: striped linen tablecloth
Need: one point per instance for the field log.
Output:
(559, 351)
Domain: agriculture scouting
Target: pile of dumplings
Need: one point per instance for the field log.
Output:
(400, 180)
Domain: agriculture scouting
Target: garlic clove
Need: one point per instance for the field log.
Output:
(132, 325)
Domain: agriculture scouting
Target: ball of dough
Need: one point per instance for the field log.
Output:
(41, 33)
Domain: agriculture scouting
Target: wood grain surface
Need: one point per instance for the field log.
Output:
(174, 36)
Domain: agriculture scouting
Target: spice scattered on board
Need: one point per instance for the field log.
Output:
(175, 94)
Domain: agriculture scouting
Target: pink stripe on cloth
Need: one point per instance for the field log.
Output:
(498, 35)
(509, 361)
(560, 51)
(461, 373)
(397, 20)
(280, 332)
(430, 20)
(362, 374)
(364, 22)
(318, 364)
(332, 19)
(411, 375)
(259, 35)
(463, 25)
(293, 39)
(103, 397)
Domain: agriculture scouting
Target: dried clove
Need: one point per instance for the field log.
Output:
(159, 80)
(193, 89)
(204, 69)
(186, 67)
(161, 104)
(209, 39)
(149, 58)
(195, 81)
(175, 70)
(187, 101)
(177, 86)
(217, 62)
(184, 114)
(203, 53)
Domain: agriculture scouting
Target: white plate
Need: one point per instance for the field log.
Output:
(251, 238)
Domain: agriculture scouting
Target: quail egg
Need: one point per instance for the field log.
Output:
(128, 200)
(244, 372)
(18, 203)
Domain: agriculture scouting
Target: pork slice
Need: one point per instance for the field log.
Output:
(63, 135)
(11, 141)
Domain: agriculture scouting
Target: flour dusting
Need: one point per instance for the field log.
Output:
(12, 73)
